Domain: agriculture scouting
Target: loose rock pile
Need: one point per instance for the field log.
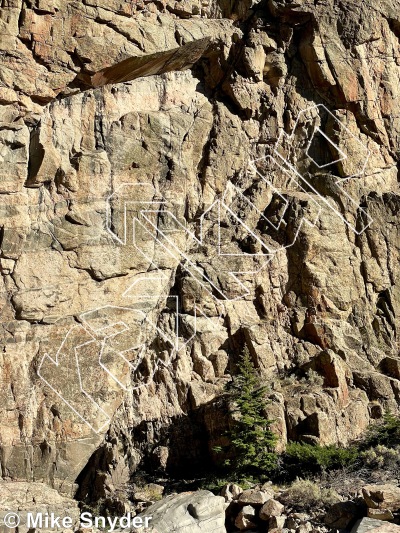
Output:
(259, 509)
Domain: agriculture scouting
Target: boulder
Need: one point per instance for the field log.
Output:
(382, 497)
(189, 512)
(253, 497)
(369, 525)
(271, 508)
(246, 518)
(276, 522)
(231, 491)
(342, 515)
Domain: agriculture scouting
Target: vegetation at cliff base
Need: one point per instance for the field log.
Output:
(250, 456)
(379, 448)
(251, 441)
(309, 459)
(385, 433)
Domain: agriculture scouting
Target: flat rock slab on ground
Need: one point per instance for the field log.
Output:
(189, 512)
(374, 526)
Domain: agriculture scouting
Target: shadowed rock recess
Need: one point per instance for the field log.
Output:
(148, 152)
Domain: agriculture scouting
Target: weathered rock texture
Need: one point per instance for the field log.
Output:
(194, 512)
(113, 110)
(23, 498)
(374, 526)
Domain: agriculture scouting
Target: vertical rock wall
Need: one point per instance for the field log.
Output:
(148, 150)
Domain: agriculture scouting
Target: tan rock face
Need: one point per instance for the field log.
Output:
(382, 497)
(146, 156)
(36, 498)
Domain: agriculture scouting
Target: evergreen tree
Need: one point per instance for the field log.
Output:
(252, 442)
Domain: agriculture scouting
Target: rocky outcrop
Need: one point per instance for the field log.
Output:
(21, 498)
(230, 168)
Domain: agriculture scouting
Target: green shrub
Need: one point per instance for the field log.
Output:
(312, 459)
(380, 448)
(385, 433)
(381, 457)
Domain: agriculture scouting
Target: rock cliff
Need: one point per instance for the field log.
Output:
(180, 179)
